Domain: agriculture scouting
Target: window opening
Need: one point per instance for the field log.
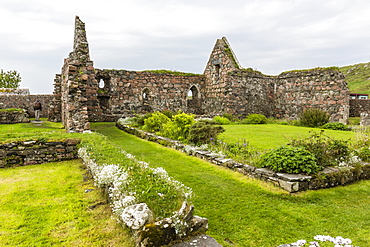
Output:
(217, 69)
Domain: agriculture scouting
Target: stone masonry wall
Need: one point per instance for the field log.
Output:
(358, 106)
(13, 117)
(36, 152)
(26, 102)
(320, 88)
(128, 92)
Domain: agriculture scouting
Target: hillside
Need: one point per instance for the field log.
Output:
(358, 77)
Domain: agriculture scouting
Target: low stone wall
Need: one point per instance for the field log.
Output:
(26, 102)
(329, 177)
(37, 152)
(13, 117)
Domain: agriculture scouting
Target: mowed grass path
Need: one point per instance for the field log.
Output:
(46, 205)
(248, 212)
(269, 136)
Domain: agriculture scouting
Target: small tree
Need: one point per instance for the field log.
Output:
(10, 79)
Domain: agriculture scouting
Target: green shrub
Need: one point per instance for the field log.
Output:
(139, 120)
(290, 159)
(336, 126)
(313, 117)
(221, 120)
(178, 128)
(231, 117)
(255, 119)
(203, 132)
(328, 152)
(155, 122)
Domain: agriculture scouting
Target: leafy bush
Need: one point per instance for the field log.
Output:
(328, 152)
(139, 120)
(314, 117)
(203, 132)
(221, 120)
(231, 117)
(255, 119)
(336, 126)
(290, 159)
(178, 127)
(155, 122)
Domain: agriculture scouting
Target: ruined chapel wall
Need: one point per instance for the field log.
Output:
(322, 89)
(134, 92)
(249, 93)
(221, 62)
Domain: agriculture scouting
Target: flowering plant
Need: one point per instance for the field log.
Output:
(337, 241)
(127, 189)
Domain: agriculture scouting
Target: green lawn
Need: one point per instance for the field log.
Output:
(46, 205)
(269, 136)
(249, 212)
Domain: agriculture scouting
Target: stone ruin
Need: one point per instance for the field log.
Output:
(224, 87)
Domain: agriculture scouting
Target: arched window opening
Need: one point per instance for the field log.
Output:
(145, 96)
(190, 94)
(101, 84)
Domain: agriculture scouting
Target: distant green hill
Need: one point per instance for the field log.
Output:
(358, 77)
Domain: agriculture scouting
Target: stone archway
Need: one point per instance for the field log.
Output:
(193, 100)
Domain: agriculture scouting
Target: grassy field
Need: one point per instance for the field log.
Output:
(248, 212)
(269, 136)
(46, 205)
(357, 77)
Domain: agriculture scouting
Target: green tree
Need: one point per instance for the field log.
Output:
(10, 79)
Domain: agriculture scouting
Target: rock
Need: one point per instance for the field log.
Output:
(136, 216)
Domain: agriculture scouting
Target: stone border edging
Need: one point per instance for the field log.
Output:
(329, 177)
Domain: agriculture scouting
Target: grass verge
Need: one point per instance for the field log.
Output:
(247, 212)
(46, 205)
(269, 136)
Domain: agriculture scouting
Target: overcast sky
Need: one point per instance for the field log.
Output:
(269, 35)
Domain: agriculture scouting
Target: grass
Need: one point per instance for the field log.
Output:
(357, 77)
(46, 205)
(269, 136)
(249, 212)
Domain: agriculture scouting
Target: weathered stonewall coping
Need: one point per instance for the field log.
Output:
(329, 177)
(24, 153)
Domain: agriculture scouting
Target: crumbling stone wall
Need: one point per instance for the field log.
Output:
(37, 152)
(324, 89)
(78, 97)
(232, 89)
(13, 117)
(127, 92)
(26, 102)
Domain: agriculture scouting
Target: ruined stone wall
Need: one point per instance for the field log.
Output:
(78, 96)
(26, 102)
(358, 106)
(221, 62)
(13, 117)
(37, 152)
(128, 92)
(323, 89)
(249, 93)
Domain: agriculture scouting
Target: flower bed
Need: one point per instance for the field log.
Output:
(132, 186)
(329, 177)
